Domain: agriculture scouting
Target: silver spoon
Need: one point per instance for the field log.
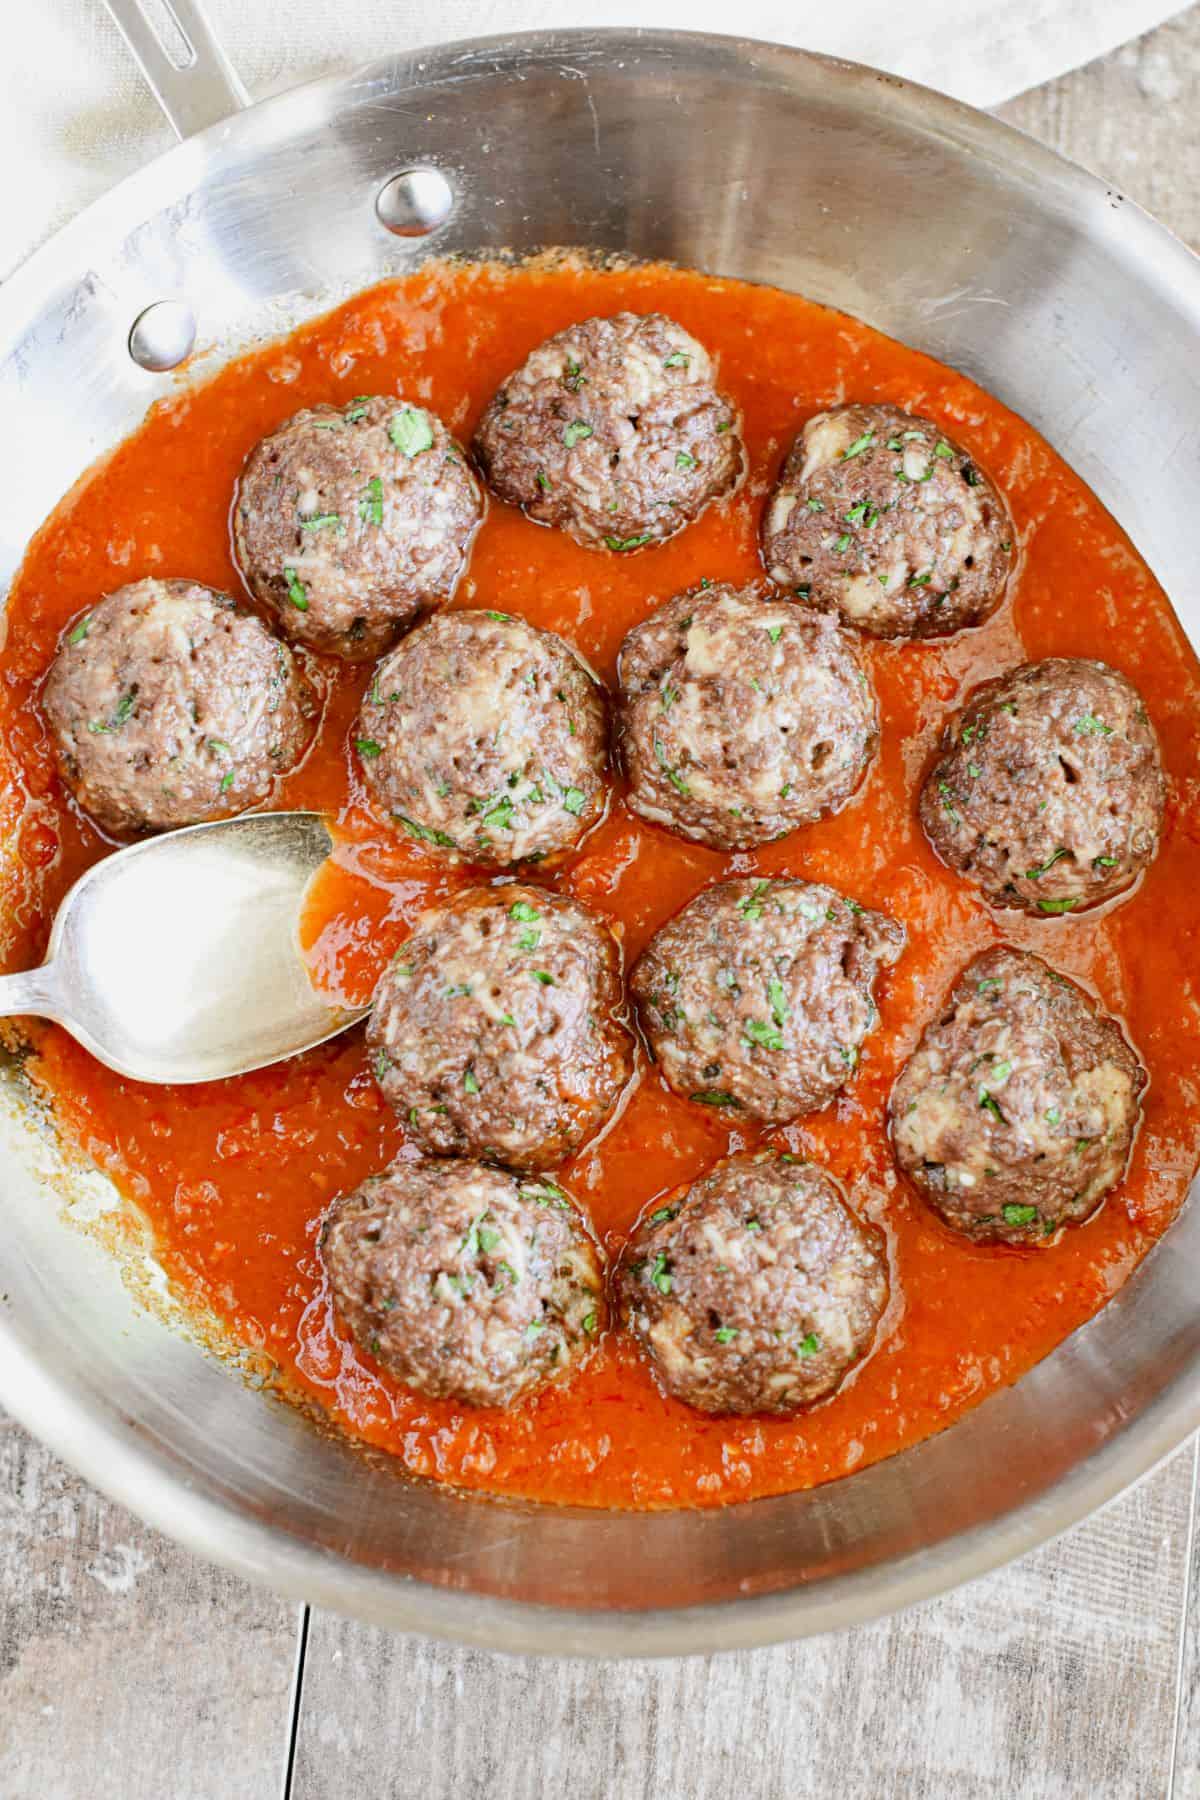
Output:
(179, 958)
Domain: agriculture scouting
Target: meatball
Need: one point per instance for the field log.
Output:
(488, 737)
(1016, 1112)
(879, 516)
(758, 995)
(168, 705)
(756, 1289)
(464, 1281)
(497, 1029)
(741, 718)
(1048, 788)
(351, 522)
(614, 431)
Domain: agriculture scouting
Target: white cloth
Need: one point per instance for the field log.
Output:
(75, 115)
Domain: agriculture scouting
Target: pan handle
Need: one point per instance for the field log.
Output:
(189, 74)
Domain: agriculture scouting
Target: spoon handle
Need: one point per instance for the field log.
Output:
(33, 992)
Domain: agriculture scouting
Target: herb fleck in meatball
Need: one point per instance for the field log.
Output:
(759, 994)
(167, 705)
(487, 737)
(756, 1289)
(464, 1281)
(351, 522)
(614, 431)
(1048, 790)
(497, 1030)
(1016, 1112)
(741, 718)
(880, 516)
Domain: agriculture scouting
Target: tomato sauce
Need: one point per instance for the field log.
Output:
(233, 1177)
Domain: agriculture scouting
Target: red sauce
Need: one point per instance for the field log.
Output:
(233, 1177)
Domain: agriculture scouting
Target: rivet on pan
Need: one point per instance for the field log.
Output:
(163, 335)
(415, 202)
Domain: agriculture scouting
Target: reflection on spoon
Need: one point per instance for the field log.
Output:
(179, 959)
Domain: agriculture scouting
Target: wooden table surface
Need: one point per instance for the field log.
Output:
(133, 1671)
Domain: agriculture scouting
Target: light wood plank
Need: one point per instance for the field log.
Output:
(1052, 1680)
(127, 1667)
(1132, 118)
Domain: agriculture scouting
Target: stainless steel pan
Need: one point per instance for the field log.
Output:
(933, 222)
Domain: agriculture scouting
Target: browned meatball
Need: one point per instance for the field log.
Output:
(1048, 791)
(497, 1030)
(1016, 1111)
(350, 522)
(168, 705)
(756, 1289)
(464, 1281)
(485, 736)
(759, 994)
(881, 517)
(614, 431)
(741, 718)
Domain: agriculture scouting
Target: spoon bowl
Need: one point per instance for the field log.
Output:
(178, 960)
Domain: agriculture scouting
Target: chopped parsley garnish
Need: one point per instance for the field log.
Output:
(714, 1097)
(1053, 1115)
(774, 632)
(725, 1334)
(750, 905)
(814, 505)
(858, 446)
(383, 1063)
(1090, 726)
(81, 630)
(227, 780)
(660, 1273)
(574, 378)
(1059, 906)
(320, 521)
(470, 1081)
(297, 592)
(778, 999)
(1036, 873)
(368, 747)
(672, 774)
(542, 975)
(843, 543)
(370, 502)
(356, 409)
(546, 1193)
(575, 433)
(423, 831)
(573, 800)
(632, 543)
(808, 1346)
(947, 793)
(120, 717)
(1019, 1215)
(921, 580)
(678, 359)
(410, 431)
(663, 1214)
(987, 1103)
(684, 461)
(543, 480)
(944, 451)
(589, 1323)
(523, 913)
(1104, 862)
(764, 1035)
